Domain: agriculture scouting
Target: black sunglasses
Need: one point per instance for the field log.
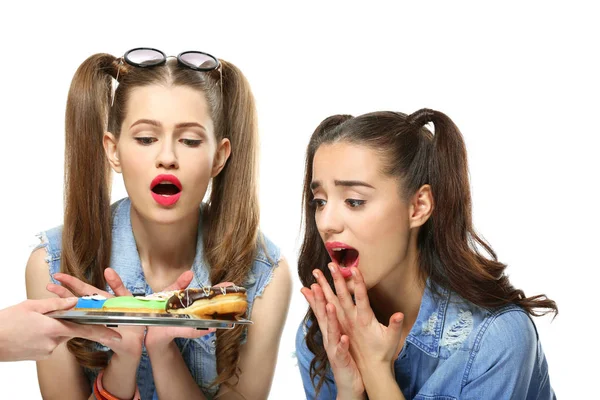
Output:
(146, 57)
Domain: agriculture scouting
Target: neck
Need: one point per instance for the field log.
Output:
(165, 248)
(401, 291)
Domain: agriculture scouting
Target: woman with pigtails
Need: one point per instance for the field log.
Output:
(406, 300)
(173, 127)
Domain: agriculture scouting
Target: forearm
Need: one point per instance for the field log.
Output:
(120, 376)
(171, 375)
(380, 382)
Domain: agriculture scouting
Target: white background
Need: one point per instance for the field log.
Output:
(519, 78)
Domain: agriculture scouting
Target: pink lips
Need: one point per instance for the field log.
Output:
(345, 271)
(162, 199)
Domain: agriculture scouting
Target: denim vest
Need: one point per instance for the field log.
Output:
(199, 354)
(457, 350)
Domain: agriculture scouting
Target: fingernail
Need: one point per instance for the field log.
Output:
(354, 274)
(331, 268)
(315, 274)
(116, 339)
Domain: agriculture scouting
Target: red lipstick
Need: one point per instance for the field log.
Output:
(344, 256)
(166, 189)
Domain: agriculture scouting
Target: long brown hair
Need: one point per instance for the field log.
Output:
(451, 254)
(230, 227)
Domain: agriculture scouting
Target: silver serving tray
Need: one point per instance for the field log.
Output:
(113, 319)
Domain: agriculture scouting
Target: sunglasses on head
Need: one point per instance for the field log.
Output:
(146, 57)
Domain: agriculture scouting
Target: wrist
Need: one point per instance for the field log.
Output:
(123, 362)
(156, 344)
(119, 377)
(100, 392)
(161, 349)
(380, 382)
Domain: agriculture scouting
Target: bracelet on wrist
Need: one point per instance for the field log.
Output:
(103, 394)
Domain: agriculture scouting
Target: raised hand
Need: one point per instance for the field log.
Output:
(373, 346)
(347, 377)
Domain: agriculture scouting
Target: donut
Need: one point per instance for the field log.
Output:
(210, 302)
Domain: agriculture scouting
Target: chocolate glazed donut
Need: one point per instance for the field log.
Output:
(210, 302)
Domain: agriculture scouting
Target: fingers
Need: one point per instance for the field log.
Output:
(59, 290)
(182, 282)
(363, 307)
(395, 328)
(116, 284)
(190, 333)
(225, 284)
(344, 296)
(320, 302)
(326, 289)
(333, 327)
(78, 287)
(338, 348)
(44, 306)
(318, 307)
(95, 333)
(342, 353)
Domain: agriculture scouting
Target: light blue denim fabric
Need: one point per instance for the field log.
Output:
(457, 350)
(199, 354)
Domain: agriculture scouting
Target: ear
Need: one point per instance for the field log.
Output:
(421, 206)
(109, 141)
(221, 156)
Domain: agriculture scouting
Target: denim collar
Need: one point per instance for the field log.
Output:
(427, 331)
(125, 248)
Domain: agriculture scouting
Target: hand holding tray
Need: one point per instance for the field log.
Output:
(114, 319)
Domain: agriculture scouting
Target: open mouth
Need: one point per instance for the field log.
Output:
(166, 189)
(344, 256)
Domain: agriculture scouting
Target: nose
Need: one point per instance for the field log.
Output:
(167, 158)
(329, 220)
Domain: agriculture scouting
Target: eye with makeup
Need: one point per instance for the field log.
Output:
(145, 141)
(317, 203)
(191, 142)
(354, 203)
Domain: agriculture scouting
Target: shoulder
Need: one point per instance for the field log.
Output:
(509, 326)
(268, 253)
(268, 264)
(37, 275)
(51, 239)
(507, 338)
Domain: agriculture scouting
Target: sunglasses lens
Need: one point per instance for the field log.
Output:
(198, 60)
(145, 57)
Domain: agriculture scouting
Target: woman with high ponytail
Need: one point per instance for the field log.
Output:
(175, 131)
(406, 299)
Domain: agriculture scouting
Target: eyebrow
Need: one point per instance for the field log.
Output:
(177, 126)
(317, 184)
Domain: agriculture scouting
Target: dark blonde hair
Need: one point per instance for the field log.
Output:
(451, 254)
(230, 227)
